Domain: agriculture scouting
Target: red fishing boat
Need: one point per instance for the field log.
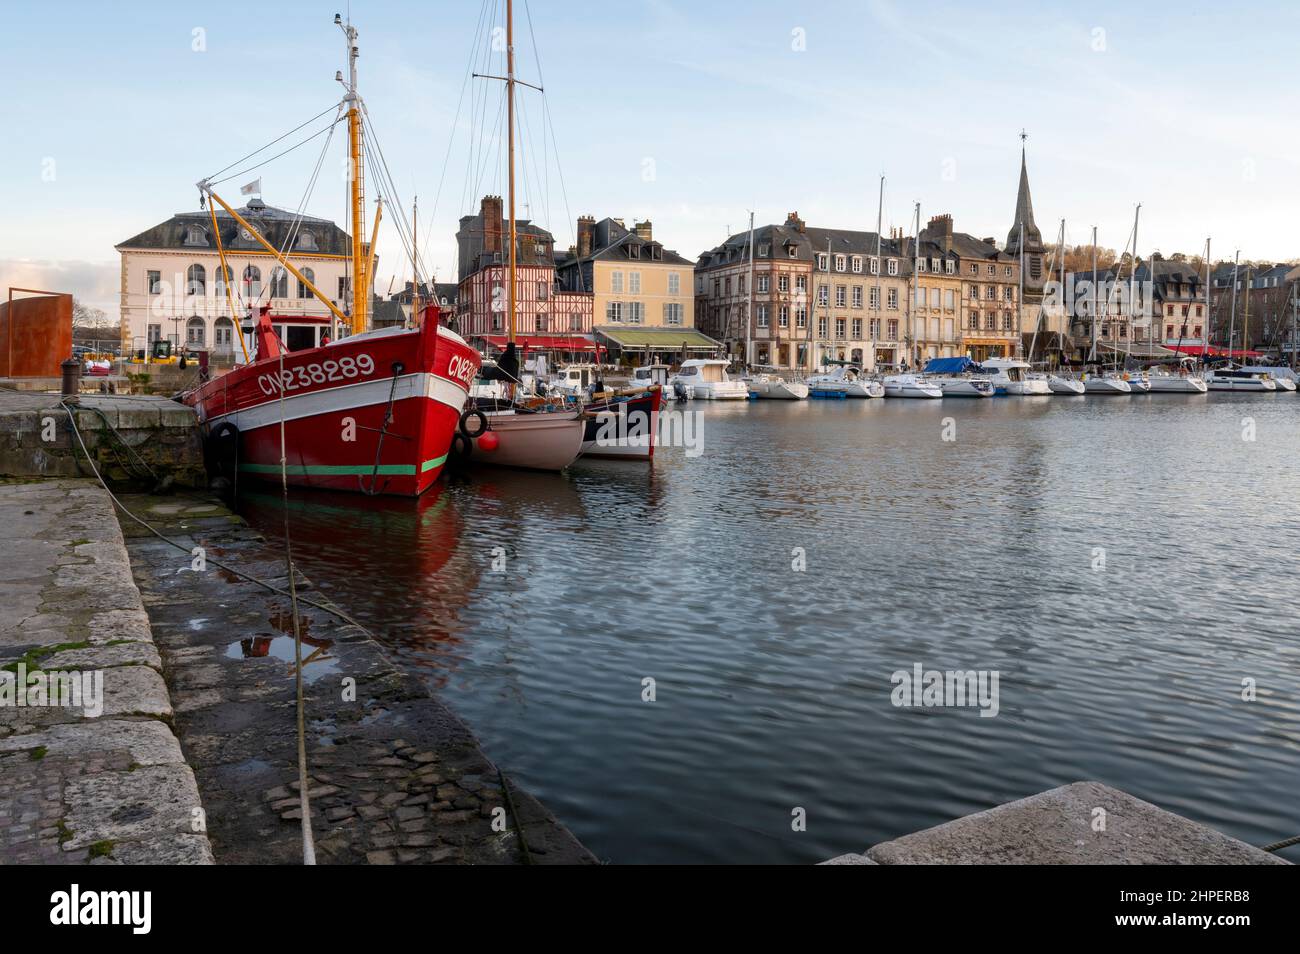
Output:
(373, 411)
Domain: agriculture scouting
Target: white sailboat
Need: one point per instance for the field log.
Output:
(911, 386)
(1012, 376)
(846, 379)
(773, 387)
(706, 379)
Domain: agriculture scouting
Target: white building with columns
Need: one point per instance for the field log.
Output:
(172, 287)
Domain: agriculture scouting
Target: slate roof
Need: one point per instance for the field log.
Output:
(192, 231)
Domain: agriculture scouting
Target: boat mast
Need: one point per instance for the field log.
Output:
(880, 212)
(510, 122)
(749, 311)
(1020, 296)
(913, 292)
(415, 268)
(360, 253)
(1092, 350)
(1205, 329)
(1232, 312)
(1132, 287)
(1245, 322)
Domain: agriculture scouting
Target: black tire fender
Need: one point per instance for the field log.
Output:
(466, 416)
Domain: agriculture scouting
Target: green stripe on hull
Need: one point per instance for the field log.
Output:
(345, 470)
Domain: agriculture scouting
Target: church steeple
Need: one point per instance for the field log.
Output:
(1024, 213)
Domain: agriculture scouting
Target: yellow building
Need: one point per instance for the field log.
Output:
(638, 286)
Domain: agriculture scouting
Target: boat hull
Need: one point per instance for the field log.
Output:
(1240, 384)
(1176, 384)
(624, 429)
(546, 440)
(964, 388)
(1107, 386)
(371, 413)
(778, 390)
(1066, 386)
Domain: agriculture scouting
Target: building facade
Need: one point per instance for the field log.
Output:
(818, 294)
(543, 308)
(172, 287)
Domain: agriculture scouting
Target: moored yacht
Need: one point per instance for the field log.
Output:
(911, 386)
(1105, 383)
(958, 377)
(847, 379)
(1065, 384)
(1011, 376)
(774, 387)
(1182, 381)
(706, 379)
(1283, 377)
(1239, 379)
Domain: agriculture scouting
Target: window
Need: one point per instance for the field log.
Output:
(541, 291)
(892, 266)
(1169, 331)
(801, 283)
(1006, 321)
(634, 283)
(635, 312)
(821, 262)
(974, 293)
(857, 329)
(840, 324)
(253, 282)
(726, 286)
(308, 274)
(920, 266)
(674, 283)
(974, 269)
(949, 266)
(740, 285)
(973, 322)
(196, 236)
(949, 299)
(761, 283)
(991, 321)
(196, 279)
(279, 283)
(155, 333)
(875, 328)
(892, 299)
(634, 251)
(616, 283)
(991, 293)
(762, 316)
(841, 263)
(857, 264)
(823, 295)
(541, 324)
(1008, 294)
(875, 266)
(783, 283)
(1008, 271)
(821, 327)
(857, 296)
(793, 250)
(783, 316)
(764, 249)
(575, 321)
(992, 269)
(194, 335)
(934, 265)
(306, 241)
(892, 327)
(1196, 332)
(153, 281)
(875, 297)
(614, 312)
(801, 317)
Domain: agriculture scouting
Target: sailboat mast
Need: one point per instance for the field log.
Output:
(1245, 322)
(510, 122)
(1205, 329)
(1092, 351)
(415, 268)
(749, 311)
(1132, 287)
(360, 253)
(1232, 312)
(914, 291)
(880, 212)
(1020, 296)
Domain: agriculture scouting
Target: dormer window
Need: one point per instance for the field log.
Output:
(840, 263)
(764, 250)
(821, 262)
(875, 266)
(634, 251)
(893, 266)
(794, 251)
(306, 241)
(195, 236)
(920, 265)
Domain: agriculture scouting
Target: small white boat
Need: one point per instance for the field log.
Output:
(958, 377)
(1239, 379)
(573, 379)
(706, 379)
(911, 386)
(847, 379)
(1283, 377)
(1138, 381)
(648, 375)
(1106, 383)
(1060, 384)
(775, 388)
(1012, 376)
(1182, 381)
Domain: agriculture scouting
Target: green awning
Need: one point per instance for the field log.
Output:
(658, 339)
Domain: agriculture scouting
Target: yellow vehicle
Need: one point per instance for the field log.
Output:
(158, 352)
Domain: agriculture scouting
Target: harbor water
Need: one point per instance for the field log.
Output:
(1127, 566)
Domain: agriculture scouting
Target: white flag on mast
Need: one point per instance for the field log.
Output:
(254, 186)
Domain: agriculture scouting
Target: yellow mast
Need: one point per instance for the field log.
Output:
(510, 121)
(227, 280)
(360, 251)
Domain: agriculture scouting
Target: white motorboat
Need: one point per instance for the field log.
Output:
(774, 387)
(958, 377)
(911, 386)
(572, 379)
(1060, 384)
(1012, 376)
(1138, 381)
(648, 375)
(1106, 383)
(1239, 379)
(847, 379)
(706, 379)
(1284, 377)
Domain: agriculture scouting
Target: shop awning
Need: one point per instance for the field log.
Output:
(1212, 351)
(545, 342)
(659, 339)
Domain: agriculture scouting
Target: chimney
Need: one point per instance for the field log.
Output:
(940, 231)
(493, 224)
(792, 221)
(586, 235)
(643, 230)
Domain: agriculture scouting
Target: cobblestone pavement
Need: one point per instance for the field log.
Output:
(396, 778)
(79, 788)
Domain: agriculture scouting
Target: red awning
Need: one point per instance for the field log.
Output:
(545, 342)
(1213, 351)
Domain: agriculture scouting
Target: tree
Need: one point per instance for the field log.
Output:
(91, 325)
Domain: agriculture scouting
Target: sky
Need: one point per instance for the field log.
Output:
(689, 114)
